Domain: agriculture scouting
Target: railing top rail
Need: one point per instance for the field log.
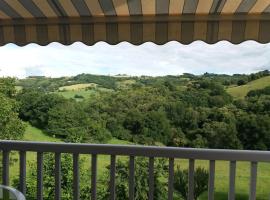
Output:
(137, 150)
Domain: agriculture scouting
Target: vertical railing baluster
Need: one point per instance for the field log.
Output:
(253, 181)
(171, 178)
(112, 177)
(231, 194)
(22, 187)
(39, 175)
(76, 177)
(131, 177)
(5, 175)
(94, 177)
(57, 173)
(211, 184)
(151, 178)
(191, 179)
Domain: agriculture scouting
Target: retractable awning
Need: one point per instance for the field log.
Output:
(136, 21)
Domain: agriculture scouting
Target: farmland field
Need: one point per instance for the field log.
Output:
(78, 86)
(240, 92)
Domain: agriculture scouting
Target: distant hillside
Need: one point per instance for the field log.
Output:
(241, 91)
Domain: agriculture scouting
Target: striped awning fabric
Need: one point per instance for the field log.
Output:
(136, 21)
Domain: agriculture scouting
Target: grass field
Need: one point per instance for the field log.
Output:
(78, 86)
(80, 89)
(240, 92)
(125, 84)
(221, 176)
(71, 93)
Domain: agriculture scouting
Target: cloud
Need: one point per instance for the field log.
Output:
(148, 59)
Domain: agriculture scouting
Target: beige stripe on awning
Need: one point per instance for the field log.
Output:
(135, 21)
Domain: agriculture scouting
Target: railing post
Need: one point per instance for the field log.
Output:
(151, 178)
(5, 175)
(253, 181)
(211, 184)
(231, 195)
(76, 177)
(131, 177)
(39, 175)
(171, 179)
(191, 179)
(23, 172)
(57, 173)
(112, 177)
(94, 177)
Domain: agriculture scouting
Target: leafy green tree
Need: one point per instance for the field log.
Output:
(7, 87)
(157, 127)
(221, 135)
(11, 127)
(254, 131)
(70, 121)
(35, 105)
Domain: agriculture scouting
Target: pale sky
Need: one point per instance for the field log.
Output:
(173, 58)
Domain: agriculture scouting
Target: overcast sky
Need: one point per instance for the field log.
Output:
(148, 59)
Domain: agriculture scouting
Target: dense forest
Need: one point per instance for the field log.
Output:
(182, 111)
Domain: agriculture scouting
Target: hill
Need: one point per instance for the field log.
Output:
(240, 92)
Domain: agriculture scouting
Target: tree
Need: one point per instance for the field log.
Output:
(75, 125)
(221, 135)
(11, 127)
(7, 87)
(254, 131)
(241, 82)
(157, 127)
(35, 105)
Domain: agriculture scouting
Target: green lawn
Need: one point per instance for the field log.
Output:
(240, 92)
(221, 177)
(71, 93)
(78, 86)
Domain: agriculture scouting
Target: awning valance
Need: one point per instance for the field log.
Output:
(136, 21)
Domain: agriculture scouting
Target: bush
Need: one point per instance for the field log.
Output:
(241, 82)
(200, 182)
(77, 96)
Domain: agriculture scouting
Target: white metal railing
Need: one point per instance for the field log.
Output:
(151, 152)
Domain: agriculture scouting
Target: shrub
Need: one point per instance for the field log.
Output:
(200, 182)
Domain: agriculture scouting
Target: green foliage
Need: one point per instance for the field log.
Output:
(240, 92)
(7, 87)
(186, 110)
(11, 127)
(35, 106)
(141, 180)
(259, 92)
(254, 131)
(200, 182)
(103, 81)
(49, 179)
(72, 122)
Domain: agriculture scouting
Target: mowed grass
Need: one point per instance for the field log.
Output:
(69, 92)
(221, 175)
(78, 86)
(239, 92)
(242, 179)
